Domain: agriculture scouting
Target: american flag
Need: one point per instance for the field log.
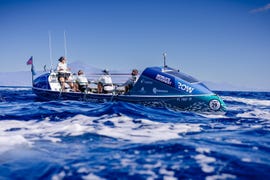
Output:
(30, 61)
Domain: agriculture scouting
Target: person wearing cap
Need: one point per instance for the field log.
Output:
(82, 81)
(132, 80)
(105, 84)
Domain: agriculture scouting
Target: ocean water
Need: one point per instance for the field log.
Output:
(116, 140)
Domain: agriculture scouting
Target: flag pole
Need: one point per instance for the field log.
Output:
(32, 70)
(30, 62)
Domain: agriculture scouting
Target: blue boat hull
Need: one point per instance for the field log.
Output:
(198, 103)
(156, 86)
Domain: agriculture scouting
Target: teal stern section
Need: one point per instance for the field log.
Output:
(211, 103)
(176, 90)
(198, 103)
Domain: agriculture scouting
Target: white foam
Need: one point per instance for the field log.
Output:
(152, 166)
(256, 102)
(260, 108)
(164, 171)
(234, 141)
(214, 116)
(91, 176)
(13, 141)
(10, 139)
(146, 131)
(59, 176)
(256, 113)
(204, 162)
(203, 150)
(221, 176)
(246, 160)
(123, 127)
(232, 127)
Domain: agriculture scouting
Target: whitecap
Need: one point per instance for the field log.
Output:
(221, 176)
(59, 176)
(203, 150)
(166, 172)
(11, 142)
(204, 162)
(246, 160)
(249, 101)
(92, 176)
(255, 113)
(120, 127)
(234, 141)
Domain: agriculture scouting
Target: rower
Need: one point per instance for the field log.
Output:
(105, 84)
(82, 81)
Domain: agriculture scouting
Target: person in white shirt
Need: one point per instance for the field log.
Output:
(82, 81)
(105, 84)
(63, 73)
(62, 66)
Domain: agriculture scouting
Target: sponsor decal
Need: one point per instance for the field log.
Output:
(185, 87)
(155, 91)
(169, 81)
(214, 105)
(163, 79)
(143, 81)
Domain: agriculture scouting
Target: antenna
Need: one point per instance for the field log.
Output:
(50, 48)
(164, 58)
(65, 44)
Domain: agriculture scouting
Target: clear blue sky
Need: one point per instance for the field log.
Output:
(213, 40)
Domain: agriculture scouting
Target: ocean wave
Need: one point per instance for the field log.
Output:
(9, 142)
(117, 126)
(81, 140)
(256, 113)
(248, 101)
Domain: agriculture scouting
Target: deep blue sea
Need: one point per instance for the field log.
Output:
(117, 140)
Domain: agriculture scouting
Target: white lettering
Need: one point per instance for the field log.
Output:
(185, 87)
(164, 79)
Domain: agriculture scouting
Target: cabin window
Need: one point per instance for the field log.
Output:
(183, 76)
